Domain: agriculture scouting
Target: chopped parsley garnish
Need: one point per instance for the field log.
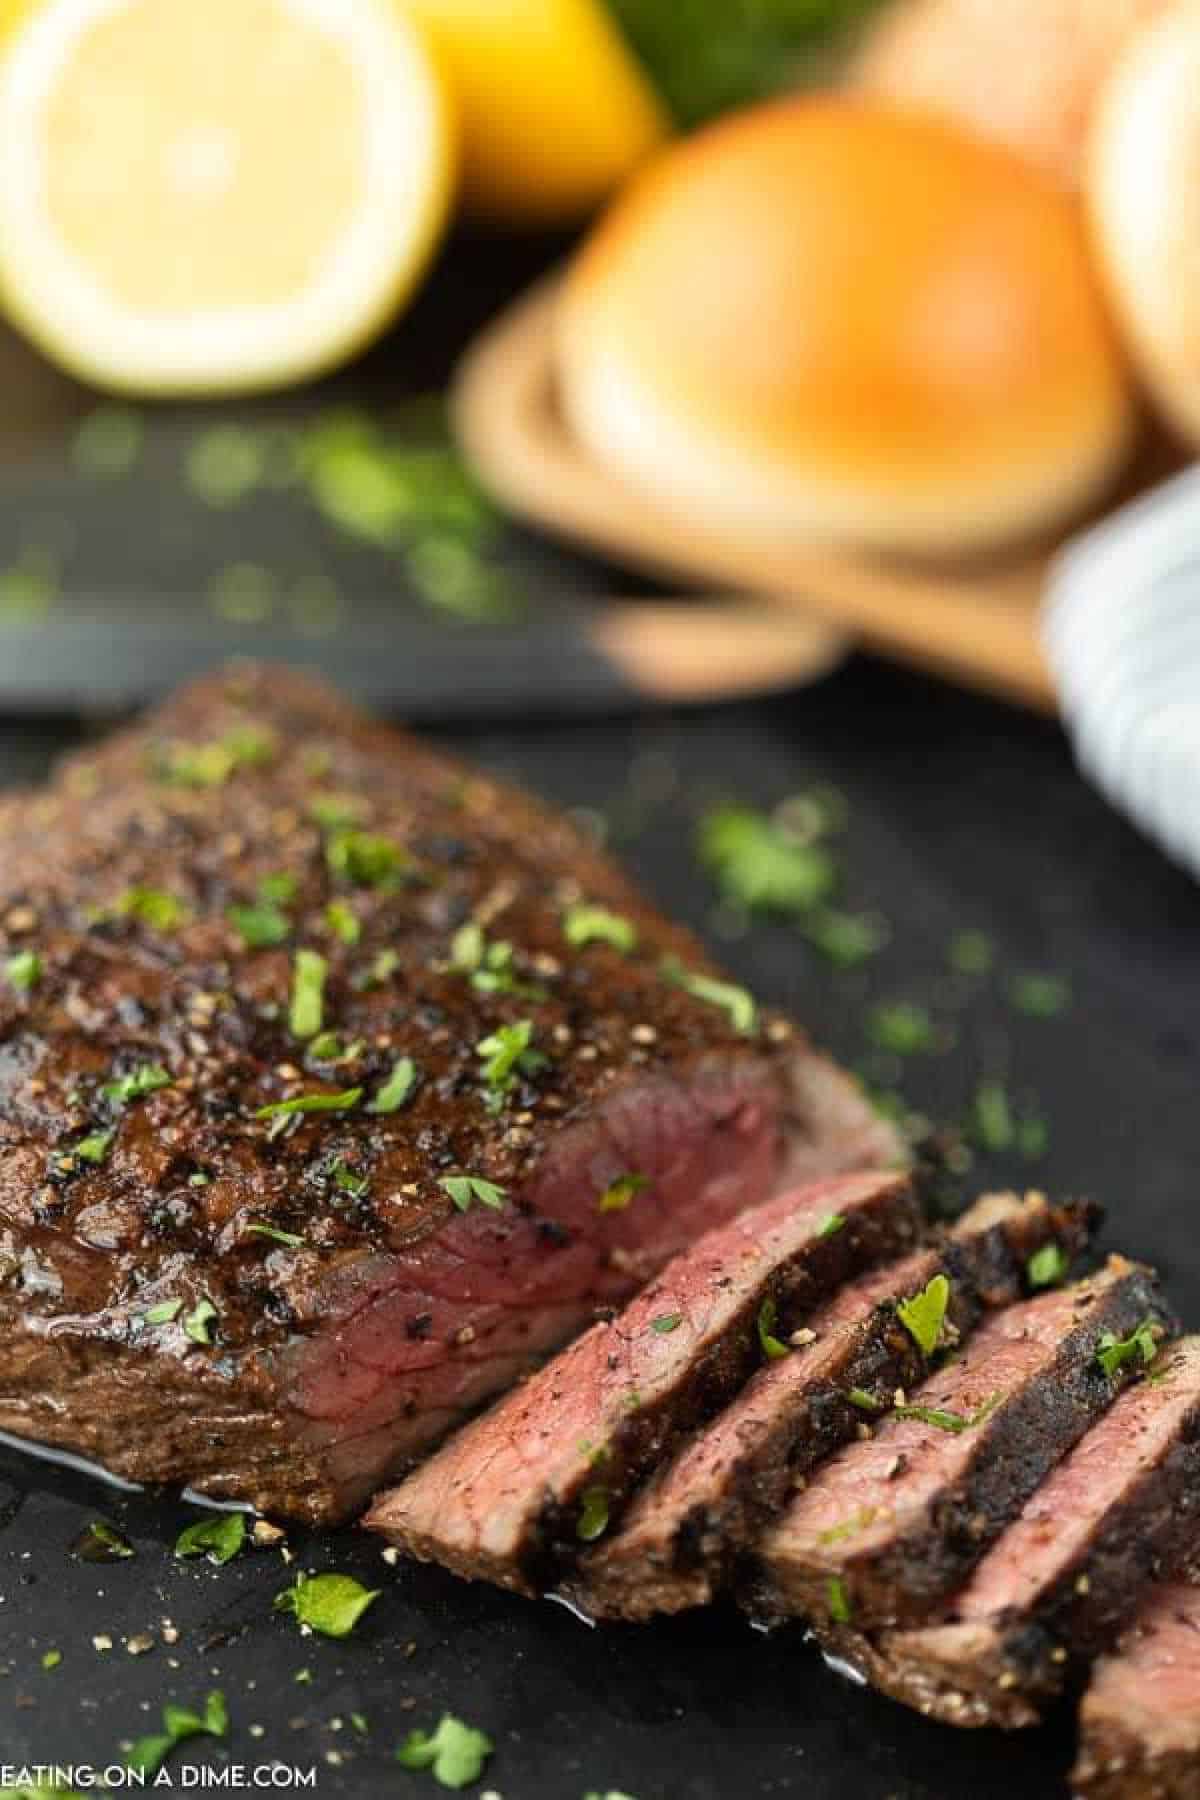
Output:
(366, 859)
(147, 1078)
(467, 948)
(994, 1126)
(343, 921)
(948, 1421)
(759, 864)
(94, 1148)
(1040, 996)
(902, 1029)
(153, 907)
(211, 765)
(23, 970)
(149, 1753)
(971, 953)
(101, 1542)
(464, 1190)
(1047, 1266)
(279, 889)
(1112, 1352)
(455, 1753)
(381, 970)
(585, 924)
(831, 1224)
(276, 1235)
(163, 1313)
(772, 1347)
(735, 1001)
(219, 1538)
(489, 966)
(260, 927)
(505, 1053)
(311, 1103)
(620, 1193)
(850, 1527)
(330, 1604)
(845, 939)
(593, 1515)
(346, 1181)
(666, 1323)
(838, 1601)
(397, 1088)
(307, 1012)
(336, 812)
(51, 1659)
(197, 1324)
(864, 1400)
(924, 1314)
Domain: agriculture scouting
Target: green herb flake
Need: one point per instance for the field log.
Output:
(279, 889)
(260, 927)
(1047, 1266)
(347, 1181)
(772, 1347)
(505, 1053)
(311, 1103)
(330, 1604)
(163, 1313)
(197, 1324)
(101, 1542)
(666, 1323)
(153, 907)
(1112, 1353)
(343, 921)
(971, 953)
(336, 812)
(365, 859)
(859, 1521)
(992, 1122)
(219, 1538)
(464, 1190)
(306, 1013)
(94, 1148)
(924, 1314)
(396, 1089)
(455, 1753)
(864, 1400)
(619, 1194)
(467, 947)
(23, 970)
(147, 1078)
(831, 1224)
(902, 1029)
(759, 863)
(735, 1001)
(1040, 996)
(949, 1421)
(592, 1522)
(51, 1659)
(838, 1601)
(179, 1723)
(289, 1238)
(846, 939)
(584, 925)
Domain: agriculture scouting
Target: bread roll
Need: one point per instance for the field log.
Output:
(1025, 72)
(1143, 188)
(825, 320)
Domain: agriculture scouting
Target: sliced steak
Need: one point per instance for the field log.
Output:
(1139, 1724)
(527, 1107)
(517, 1494)
(1061, 1582)
(679, 1539)
(891, 1524)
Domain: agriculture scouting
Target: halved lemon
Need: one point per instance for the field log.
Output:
(555, 108)
(203, 196)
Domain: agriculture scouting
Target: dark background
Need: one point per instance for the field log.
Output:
(960, 815)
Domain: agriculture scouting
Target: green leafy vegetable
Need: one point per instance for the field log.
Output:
(396, 1089)
(211, 765)
(619, 1194)
(147, 1078)
(51, 1659)
(593, 1515)
(949, 1421)
(455, 1753)
(219, 1538)
(197, 1324)
(348, 1182)
(735, 1001)
(585, 924)
(23, 970)
(831, 1224)
(311, 1103)
(507, 1051)
(307, 1012)
(464, 1190)
(330, 1604)
(759, 864)
(924, 1314)
(838, 1601)
(163, 1313)
(666, 1323)
(366, 859)
(149, 1753)
(772, 1347)
(101, 1542)
(95, 1147)
(1112, 1353)
(864, 1400)
(275, 1234)
(1047, 1266)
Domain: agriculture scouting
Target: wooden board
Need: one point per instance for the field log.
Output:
(976, 626)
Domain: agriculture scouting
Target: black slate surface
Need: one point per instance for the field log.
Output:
(960, 815)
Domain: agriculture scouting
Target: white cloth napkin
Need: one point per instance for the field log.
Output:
(1121, 629)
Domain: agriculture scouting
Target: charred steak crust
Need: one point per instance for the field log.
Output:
(890, 1526)
(681, 1539)
(285, 1308)
(1057, 1588)
(518, 1494)
(1140, 1718)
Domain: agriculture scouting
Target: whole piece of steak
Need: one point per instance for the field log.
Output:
(680, 1540)
(1057, 1587)
(1139, 1723)
(338, 1083)
(892, 1524)
(518, 1494)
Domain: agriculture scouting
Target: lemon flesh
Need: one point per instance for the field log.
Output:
(554, 109)
(207, 197)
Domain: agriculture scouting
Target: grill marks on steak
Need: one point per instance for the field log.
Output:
(1060, 1583)
(889, 1526)
(334, 1359)
(1140, 1718)
(514, 1496)
(677, 1545)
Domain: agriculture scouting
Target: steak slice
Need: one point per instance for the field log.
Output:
(1060, 1583)
(680, 1538)
(515, 1496)
(1140, 1718)
(890, 1525)
(534, 1092)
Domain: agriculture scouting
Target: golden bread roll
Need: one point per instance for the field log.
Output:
(1025, 72)
(1143, 189)
(825, 320)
